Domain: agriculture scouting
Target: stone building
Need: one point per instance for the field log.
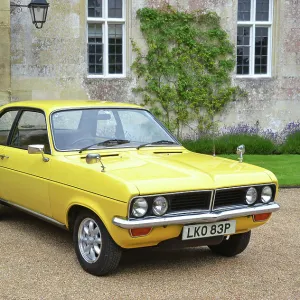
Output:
(84, 52)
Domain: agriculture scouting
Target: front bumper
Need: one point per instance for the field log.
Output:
(195, 218)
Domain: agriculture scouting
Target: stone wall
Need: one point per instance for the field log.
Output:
(4, 52)
(48, 63)
(51, 63)
(274, 102)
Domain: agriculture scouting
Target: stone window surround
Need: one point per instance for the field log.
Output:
(105, 21)
(252, 24)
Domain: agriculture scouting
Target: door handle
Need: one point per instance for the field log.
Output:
(3, 156)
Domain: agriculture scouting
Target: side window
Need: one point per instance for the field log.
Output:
(31, 130)
(6, 121)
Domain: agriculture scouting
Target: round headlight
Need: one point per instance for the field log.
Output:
(266, 194)
(139, 207)
(160, 206)
(251, 195)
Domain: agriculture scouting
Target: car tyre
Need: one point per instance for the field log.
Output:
(96, 251)
(232, 246)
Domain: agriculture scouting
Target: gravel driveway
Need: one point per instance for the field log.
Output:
(38, 262)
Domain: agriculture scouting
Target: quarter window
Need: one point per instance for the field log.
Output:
(6, 122)
(105, 37)
(254, 32)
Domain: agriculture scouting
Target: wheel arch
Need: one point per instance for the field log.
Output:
(73, 212)
(104, 208)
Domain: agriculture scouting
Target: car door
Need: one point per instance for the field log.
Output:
(24, 176)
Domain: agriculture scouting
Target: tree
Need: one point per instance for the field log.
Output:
(185, 74)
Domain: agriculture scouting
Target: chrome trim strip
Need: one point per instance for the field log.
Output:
(190, 219)
(171, 193)
(181, 212)
(244, 186)
(33, 213)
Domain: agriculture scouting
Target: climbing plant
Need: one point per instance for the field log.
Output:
(184, 76)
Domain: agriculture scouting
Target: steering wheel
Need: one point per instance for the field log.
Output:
(92, 140)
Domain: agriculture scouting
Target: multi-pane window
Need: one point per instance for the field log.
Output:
(106, 42)
(254, 34)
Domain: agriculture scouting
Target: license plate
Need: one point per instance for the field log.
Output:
(207, 230)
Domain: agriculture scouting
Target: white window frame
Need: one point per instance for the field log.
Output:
(253, 24)
(105, 21)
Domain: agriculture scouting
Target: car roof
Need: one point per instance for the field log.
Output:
(51, 105)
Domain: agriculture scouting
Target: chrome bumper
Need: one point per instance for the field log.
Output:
(199, 218)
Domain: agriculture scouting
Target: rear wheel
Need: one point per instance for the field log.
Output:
(97, 253)
(232, 246)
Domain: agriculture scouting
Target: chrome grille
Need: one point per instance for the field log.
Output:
(190, 201)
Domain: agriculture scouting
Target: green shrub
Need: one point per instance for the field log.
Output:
(204, 145)
(255, 144)
(292, 144)
(227, 144)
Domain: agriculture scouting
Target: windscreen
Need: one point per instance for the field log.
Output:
(75, 129)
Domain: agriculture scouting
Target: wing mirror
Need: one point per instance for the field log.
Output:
(38, 149)
(93, 158)
(240, 151)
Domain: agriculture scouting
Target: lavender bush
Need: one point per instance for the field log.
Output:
(290, 128)
(277, 137)
(256, 139)
(239, 129)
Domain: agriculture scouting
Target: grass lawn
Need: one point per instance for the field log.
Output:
(285, 167)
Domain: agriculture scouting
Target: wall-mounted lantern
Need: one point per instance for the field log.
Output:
(38, 10)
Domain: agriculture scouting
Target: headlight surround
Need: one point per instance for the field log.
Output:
(160, 206)
(266, 194)
(139, 207)
(251, 196)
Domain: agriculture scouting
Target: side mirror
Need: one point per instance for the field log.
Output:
(93, 158)
(38, 149)
(240, 151)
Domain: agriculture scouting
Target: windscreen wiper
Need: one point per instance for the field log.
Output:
(161, 142)
(107, 143)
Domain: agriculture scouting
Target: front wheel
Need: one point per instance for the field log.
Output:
(97, 253)
(232, 246)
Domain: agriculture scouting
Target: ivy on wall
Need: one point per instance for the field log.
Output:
(185, 75)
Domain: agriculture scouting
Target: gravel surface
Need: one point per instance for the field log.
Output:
(38, 262)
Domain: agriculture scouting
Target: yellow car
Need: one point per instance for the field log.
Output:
(117, 179)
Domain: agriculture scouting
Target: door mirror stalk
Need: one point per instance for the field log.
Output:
(38, 149)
